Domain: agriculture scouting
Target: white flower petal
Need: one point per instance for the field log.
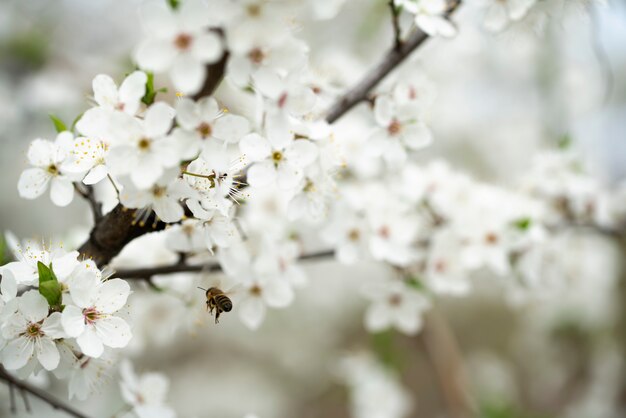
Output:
(417, 135)
(113, 331)
(155, 55)
(261, 174)
(61, 191)
(207, 47)
(17, 352)
(168, 209)
(40, 153)
(158, 120)
(112, 295)
(33, 306)
(289, 175)
(254, 147)
(188, 74)
(301, 153)
(96, 174)
(65, 264)
(131, 91)
(104, 90)
(90, 343)
(73, 321)
(231, 128)
(33, 182)
(47, 353)
(186, 114)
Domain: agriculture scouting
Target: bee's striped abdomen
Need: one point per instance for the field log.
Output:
(224, 303)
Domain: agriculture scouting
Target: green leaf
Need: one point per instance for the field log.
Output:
(4, 257)
(384, 348)
(415, 283)
(523, 224)
(58, 123)
(49, 286)
(565, 141)
(148, 98)
(174, 3)
(76, 119)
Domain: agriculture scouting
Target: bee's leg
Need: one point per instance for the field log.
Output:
(208, 305)
(217, 314)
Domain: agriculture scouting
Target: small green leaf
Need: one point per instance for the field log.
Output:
(565, 141)
(49, 286)
(415, 283)
(174, 3)
(523, 224)
(58, 123)
(148, 98)
(76, 119)
(4, 257)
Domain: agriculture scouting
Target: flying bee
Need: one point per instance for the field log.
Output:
(217, 299)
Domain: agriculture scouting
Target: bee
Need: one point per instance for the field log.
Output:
(217, 299)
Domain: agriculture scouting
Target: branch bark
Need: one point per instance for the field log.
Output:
(148, 273)
(38, 393)
(392, 59)
(444, 355)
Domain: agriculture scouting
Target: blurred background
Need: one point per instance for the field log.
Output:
(501, 99)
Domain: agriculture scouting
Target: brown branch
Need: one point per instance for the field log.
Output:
(88, 194)
(38, 393)
(148, 273)
(391, 60)
(444, 354)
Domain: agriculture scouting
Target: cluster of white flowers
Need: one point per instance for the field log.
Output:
(243, 191)
(67, 318)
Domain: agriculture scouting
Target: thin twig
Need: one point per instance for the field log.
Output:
(88, 194)
(389, 62)
(395, 21)
(147, 273)
(38, 393)
(444, 354)
(25, 400)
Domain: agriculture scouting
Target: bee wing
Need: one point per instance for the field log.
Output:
(235, 292)
(213, 281)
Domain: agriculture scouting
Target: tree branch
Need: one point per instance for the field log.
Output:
(38, 393)
(444, 355)
(391, 60)
(147, 273)
(88, 194)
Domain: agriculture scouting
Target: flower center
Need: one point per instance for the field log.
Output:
(204, 129)
(491, 238)
(183, 41)
(256, 290)
(144, 144)
(277, 157)
(395, 299)
(394, 127)
(34, 330)
(440, 266)
(354, 235)
(91, 315)
(52, 169)
(384, 232)
(253, 10)
(282, 100)
(256, 55)
(158, 191)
